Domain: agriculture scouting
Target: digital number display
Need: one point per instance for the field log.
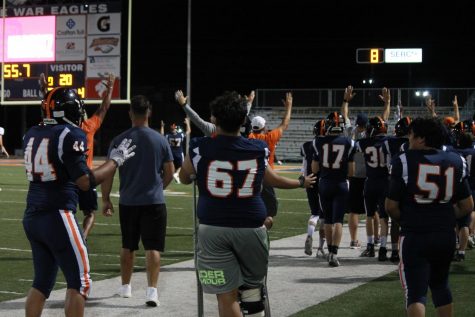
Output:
(22, 79)
(16, 70)
(370, 55)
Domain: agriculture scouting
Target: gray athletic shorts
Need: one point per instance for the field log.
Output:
(231, 257)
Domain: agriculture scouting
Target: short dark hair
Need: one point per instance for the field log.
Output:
(432, 130)
(230, 111)
(140, 104)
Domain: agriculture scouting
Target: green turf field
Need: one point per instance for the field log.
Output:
(382, 297)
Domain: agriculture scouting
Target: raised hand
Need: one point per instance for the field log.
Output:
(288, 100)
(385, 95)
(251, 96)
(455, 102)
(348, 95)
(123, 152)
(180, 98)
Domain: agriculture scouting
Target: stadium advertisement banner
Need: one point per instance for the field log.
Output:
(108, 45)
(71, 49)
(101, 66)
(96, 88)
(99, 24)
(71, 26)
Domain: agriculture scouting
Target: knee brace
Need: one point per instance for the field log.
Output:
(252, 302)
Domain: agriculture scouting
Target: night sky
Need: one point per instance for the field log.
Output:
(243, 45)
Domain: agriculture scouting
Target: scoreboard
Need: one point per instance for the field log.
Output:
(74, 45)
(388, 55)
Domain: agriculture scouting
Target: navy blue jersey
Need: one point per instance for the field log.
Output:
(469, 154)
(229, 173)
(333, 152)
(54, 159)
(375, 159)
(176, 142)
(427, 183)
(306, 151)
(393, 145)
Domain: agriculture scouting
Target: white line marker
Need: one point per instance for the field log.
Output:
(8, 292)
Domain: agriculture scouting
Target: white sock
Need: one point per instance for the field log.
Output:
(370, 240)
(384, 240)
(310, 230)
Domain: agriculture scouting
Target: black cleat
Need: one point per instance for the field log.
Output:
(382, 254)
(369, 252)
(394, 256)
(459, 257)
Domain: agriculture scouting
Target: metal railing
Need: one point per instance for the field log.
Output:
(369, 97)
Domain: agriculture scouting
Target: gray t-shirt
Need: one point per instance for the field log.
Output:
(358, 158)
(141, 177)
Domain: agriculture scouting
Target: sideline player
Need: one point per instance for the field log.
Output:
(428, 190)
(463, 134)
(88, 200)
(333, 159)
(392, 147)
(232, 242)
(56, 167)
(356, 198)
(376, 183)
(306, 151)
(176, 140)
(260, 132)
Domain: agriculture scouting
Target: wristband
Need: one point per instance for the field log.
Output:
(344, 100)
(301, 181)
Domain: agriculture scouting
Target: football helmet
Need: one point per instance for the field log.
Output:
(320, 128)
(335, 119)
(376, 125)
(466, 126)
(402, 126)
(62, 105)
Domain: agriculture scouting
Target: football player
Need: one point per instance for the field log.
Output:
(392, 147)
(306, 151)
(333, 158)
(56, 169)
(375, 184)
(176, 140)
(428, 190)
(463, 134)
(233, 249)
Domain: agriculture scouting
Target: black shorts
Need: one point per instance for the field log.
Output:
(88, 200)
(177, 160)
(313, 200)
(270, 201)
(147, 223)
(356, 196)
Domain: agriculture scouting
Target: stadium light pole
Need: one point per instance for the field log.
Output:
(188, 68)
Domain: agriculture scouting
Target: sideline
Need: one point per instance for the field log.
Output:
(295, 281)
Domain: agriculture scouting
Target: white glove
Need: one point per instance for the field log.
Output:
(123, 152)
